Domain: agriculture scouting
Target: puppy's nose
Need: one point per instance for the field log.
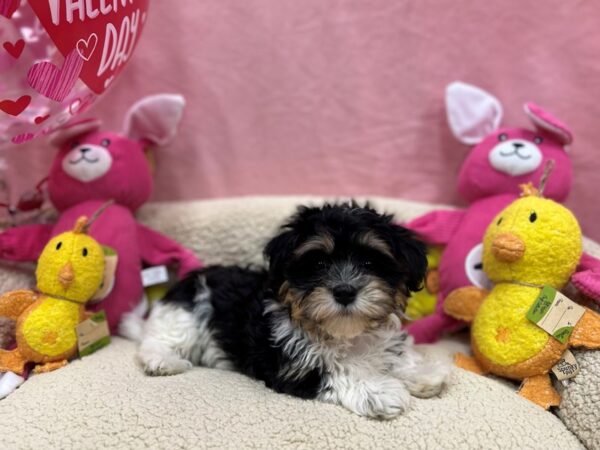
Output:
(518, 145)
(85, 150)
(344, 294)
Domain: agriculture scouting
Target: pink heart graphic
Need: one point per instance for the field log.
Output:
(8, 7)
(22, 138)
(86, 48)
(52, 82)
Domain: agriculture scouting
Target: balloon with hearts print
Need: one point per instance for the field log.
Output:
(58, 56)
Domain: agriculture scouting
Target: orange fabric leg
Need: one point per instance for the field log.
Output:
(12, 361)
(468, 363)
(50, 366)
(540, 391)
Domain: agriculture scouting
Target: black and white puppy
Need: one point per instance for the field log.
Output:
(322, 322)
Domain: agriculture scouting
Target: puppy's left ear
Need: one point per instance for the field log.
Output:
(277, 252)
(412, 253)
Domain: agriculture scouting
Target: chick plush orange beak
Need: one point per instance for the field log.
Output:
(508, 247)
(66, 276)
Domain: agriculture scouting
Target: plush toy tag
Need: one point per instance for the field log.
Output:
(567, 367)
(555, 313)
(111, 259)
(155, 275)
(93, 334)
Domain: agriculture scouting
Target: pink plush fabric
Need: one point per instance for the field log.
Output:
(321, 97)
(93, 167)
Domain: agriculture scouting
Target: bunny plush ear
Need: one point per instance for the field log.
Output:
(155, 118)
(472, 112)
(68, 132)
(547, 122)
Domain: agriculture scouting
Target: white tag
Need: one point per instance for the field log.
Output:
(555, 313)
(155, 275)
(567, 367)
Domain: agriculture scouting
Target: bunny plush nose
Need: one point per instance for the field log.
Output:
(518, 145)
(84, 150)
(66, 276)
(507, 247)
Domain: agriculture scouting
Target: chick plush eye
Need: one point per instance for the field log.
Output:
(502, 137)
(499, 221)
(533, 216)
(58, 246)
(84, 252)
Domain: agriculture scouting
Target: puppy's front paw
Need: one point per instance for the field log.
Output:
(379, 398)
(428, 380)
(161, 365)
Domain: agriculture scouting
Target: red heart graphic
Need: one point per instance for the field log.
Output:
(86, 48)
(15, 49)
(117, 26)
(22, 138)
(14, 108)
(41, 119)
(52, 82)
(8, 7)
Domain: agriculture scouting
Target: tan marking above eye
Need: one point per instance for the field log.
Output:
(322, 242)
(370, 239)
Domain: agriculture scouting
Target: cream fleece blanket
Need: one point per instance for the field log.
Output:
(105, 401)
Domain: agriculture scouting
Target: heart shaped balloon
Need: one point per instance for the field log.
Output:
(58, 56)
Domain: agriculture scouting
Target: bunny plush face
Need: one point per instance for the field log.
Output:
(100, 165)
(504, 158)
(509, 157)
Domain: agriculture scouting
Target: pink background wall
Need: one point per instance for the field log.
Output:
(346, 96)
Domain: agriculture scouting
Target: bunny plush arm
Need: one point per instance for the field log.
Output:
(24, 243)
(156, 249)
(587, 278)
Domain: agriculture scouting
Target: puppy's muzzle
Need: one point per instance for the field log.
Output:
(344, 294)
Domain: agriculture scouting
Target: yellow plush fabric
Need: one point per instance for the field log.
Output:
(70, 270)
(422, 303)
(516, 339)
(70, 248)
(554, 227)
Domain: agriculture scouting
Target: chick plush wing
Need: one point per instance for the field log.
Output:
(587, 331)
(12, 304)
(463, 303)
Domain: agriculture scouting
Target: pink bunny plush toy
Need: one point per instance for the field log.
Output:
(500, 161)
(93, 167)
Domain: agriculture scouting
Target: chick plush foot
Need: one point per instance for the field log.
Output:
(468, 363)
(540, 391)
(12, 361)
(50, 366)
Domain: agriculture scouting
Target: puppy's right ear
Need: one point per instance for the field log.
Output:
(278, 252)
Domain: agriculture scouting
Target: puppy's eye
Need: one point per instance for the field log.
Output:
(321, 263)
(538, 140)
(366, 263)
(499, 221)
(105, 142)
(533, 217)
(502, 137)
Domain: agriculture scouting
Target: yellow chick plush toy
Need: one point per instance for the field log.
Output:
(422, 303)
(533, 243)
(70, 270)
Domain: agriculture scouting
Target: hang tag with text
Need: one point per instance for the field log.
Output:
(155, 275)
(567, 367)
(93, 334)
(555, 313)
